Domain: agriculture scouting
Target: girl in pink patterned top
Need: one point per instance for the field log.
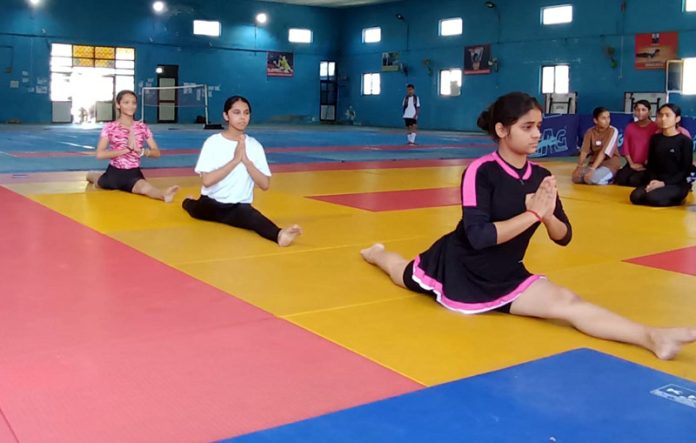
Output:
(122, 142)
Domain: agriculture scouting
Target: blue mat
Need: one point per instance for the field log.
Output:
(16, 141)
(66, 138)
(579, 396)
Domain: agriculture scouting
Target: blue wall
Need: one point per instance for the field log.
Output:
(235, 62)
(520, 43)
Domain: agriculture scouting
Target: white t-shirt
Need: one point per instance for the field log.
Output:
(411, 103)
(238, 186)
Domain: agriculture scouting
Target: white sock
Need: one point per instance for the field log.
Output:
(413, 137)
(410, 137)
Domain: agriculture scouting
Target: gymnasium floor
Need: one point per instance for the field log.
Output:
(122, 319)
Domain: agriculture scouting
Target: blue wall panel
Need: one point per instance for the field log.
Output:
(235, 62)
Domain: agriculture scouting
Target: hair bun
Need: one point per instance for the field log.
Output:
(484, 121)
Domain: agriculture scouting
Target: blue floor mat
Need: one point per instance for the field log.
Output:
(21, 147)
(579, 396)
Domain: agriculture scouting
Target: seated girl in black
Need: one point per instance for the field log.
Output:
(670, 161)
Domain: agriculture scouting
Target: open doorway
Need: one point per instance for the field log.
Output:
(84, 80)
(167, 103)
(328, 91)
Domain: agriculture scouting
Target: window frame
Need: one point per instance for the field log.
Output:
(366, 31)
(441, 93)
(555, 78)
(544, 9)
(371, 92)
(300, 31)
(451, 19)
(204, 30)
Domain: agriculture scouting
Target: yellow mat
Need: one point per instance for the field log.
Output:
(322, 284)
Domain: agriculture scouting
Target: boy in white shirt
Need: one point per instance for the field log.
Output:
(411, 108)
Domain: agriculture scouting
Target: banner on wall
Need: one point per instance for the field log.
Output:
(559, 135)
(280, 64)
(391, 62)
(654, 49)
(476, 59)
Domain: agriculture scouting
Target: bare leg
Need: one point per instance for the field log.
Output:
(390, 262)
(547, 300)
(93, 178)
(143, 187)
(287, 236)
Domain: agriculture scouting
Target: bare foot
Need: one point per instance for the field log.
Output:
(169, 193)
(93, 179)
(368, 254)
(666, 342)
(287, 236)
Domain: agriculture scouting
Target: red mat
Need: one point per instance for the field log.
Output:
(6, 434)
(396, 200)
(99, 342)
(679, 260)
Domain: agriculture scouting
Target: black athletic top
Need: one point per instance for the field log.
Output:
(670, 159)
(466, 269)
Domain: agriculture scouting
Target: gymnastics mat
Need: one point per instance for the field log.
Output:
(396, 200)
(577, 396)
(679, 260)
(99, 342)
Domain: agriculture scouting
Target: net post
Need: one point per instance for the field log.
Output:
(142, 104)
(205, 91)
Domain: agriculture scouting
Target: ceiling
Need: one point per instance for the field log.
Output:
(332, 3)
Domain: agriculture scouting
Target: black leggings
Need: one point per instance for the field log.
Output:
(668, 195)
(239, 215)
(628, 176)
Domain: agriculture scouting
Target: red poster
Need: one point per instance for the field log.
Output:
(654, 49)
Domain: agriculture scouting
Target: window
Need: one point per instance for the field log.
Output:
(372, 35)
(370, 84)
(106, 68)
(554, 15)
(327, 70)
(203, 27)
(450, 82)
(296, 35)
(689, 77)
(555, 79)
(690, 5)
(450, 26)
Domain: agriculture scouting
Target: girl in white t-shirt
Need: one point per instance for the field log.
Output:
(231, 163)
